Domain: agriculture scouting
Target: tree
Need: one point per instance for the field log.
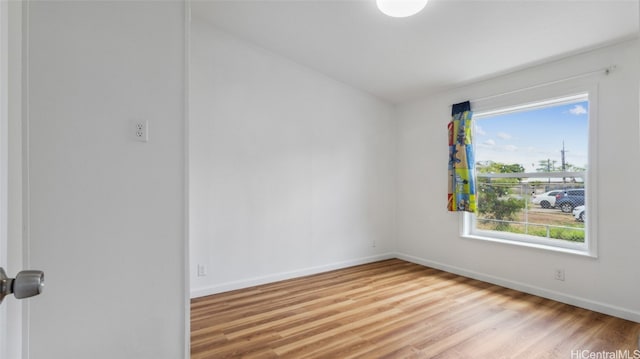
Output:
(572, 168)
(549, 165)
(495, 200)
(546, 165)
(497, 167)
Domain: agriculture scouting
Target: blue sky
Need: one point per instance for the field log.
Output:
(529, 136)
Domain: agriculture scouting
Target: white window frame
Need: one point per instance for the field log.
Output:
(538, 97)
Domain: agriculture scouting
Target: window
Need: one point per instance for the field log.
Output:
(533, 175)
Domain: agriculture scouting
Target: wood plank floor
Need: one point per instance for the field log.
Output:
(396, 309)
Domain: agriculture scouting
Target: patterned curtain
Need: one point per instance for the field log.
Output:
(462, 182)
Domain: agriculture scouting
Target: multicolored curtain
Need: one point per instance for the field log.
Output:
(462, 183)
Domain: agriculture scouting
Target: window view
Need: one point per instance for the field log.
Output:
(531, 166)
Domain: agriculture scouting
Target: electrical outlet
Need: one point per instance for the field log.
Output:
(141, 131)
(202, 270)
(559, 274)
(373, 243)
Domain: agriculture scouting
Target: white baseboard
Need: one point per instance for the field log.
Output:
(250, 282)
(526, 288)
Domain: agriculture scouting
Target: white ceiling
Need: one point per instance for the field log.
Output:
(450, 42)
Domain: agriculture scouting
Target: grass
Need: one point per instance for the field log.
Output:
(553, 224)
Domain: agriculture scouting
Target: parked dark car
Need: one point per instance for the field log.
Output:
(569, 199)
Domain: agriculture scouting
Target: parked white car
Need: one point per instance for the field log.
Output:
(578, 213)
(547, 199)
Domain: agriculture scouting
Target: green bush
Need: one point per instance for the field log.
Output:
(495, 203)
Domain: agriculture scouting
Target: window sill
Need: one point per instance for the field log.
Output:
(577, 251)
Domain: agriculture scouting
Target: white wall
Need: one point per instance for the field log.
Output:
(290, 172)
(105, 213)
(428, 234)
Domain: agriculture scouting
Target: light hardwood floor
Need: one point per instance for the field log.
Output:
(396, 309)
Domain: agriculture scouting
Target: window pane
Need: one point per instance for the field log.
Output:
(532, 167)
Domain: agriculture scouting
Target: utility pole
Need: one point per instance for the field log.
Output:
(564, 163)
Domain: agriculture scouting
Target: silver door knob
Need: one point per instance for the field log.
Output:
(26, 284)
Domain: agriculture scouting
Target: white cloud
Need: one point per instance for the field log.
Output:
(489, 142)
(480, 131)
(504, 136)
(511, 148)
(578, 110)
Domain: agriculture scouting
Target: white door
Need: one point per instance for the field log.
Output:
(3, 167)
(11, 310)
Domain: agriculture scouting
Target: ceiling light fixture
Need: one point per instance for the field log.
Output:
(401, 8)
